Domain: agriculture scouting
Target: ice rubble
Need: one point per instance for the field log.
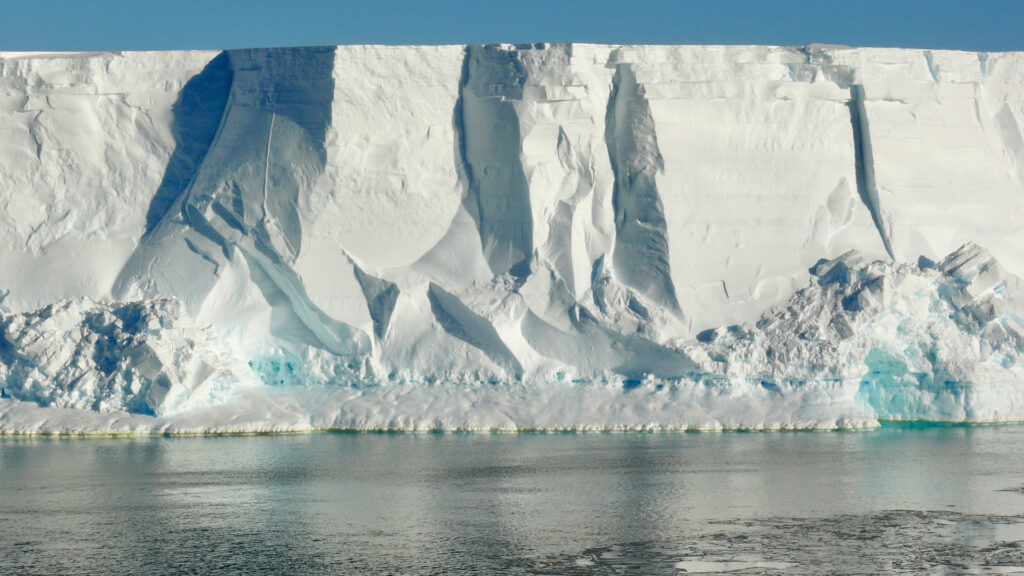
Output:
(919, 341)
(145, 357)
(539, 236)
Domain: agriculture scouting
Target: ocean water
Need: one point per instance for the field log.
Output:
(898, 500)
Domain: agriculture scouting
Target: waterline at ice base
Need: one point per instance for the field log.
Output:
(510, 237)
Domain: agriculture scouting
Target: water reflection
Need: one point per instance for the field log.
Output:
(928, 500)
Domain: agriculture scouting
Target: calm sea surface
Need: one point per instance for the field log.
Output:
(916, 500)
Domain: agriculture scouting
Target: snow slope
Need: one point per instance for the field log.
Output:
(541, 236)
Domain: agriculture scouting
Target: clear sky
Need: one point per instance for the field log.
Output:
(989, 25)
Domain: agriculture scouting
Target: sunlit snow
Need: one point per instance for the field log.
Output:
(510, 237)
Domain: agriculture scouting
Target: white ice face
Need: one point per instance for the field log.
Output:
(531, 216)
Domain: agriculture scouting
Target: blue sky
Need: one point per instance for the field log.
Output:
(191, 24)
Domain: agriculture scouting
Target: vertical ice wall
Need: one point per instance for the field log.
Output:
(945, 141)
(759, 175)
(512, 209)
(84, 143)
(239, 215)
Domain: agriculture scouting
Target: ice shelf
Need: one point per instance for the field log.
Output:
(544, 236)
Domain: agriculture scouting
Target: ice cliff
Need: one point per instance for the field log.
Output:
(539, 236)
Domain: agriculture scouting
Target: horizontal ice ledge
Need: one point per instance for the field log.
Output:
(544, 236)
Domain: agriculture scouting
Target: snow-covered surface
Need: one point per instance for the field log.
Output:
(547, 236)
